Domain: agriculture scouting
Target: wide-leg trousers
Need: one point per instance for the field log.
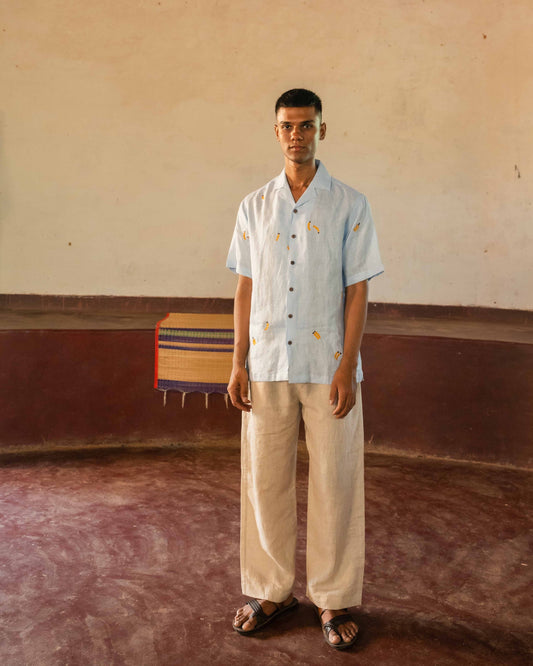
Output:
(335, 511)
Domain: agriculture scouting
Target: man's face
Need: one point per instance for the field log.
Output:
(298, 130)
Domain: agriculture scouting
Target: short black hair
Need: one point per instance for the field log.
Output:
(299, 97)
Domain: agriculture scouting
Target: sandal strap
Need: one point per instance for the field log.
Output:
(257, 609)
(335, 622)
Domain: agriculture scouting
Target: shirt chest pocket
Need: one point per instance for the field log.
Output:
(322, 235)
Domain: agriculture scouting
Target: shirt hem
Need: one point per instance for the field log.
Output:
(302, 380)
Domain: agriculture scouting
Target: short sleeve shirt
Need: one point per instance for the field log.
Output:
(301, 256)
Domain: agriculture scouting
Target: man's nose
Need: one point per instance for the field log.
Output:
(296, 134)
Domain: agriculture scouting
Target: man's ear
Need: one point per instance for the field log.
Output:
(322, 131)
(276, 130)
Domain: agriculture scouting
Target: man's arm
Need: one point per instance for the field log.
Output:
(238, 383)
(342, 393)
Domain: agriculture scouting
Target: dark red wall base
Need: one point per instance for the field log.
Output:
(61, 386)
(467, 399)
(464, 399)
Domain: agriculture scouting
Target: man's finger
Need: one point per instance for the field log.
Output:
(345, 406)
(239, 399)
(246, 405)
(341, 403)
(345, 411)
(245, 401)
(237, 402)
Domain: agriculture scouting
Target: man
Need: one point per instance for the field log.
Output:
(304, 248)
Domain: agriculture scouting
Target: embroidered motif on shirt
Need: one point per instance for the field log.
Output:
(313, 226)
(357, 226)
(245, 235)
(337, 354)
(254, 341)
(316, 334)
(277, 237)
(267, 324)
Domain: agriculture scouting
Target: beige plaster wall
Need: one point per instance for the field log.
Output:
(132, 129)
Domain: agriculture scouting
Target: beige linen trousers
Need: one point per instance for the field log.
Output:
(335, 511)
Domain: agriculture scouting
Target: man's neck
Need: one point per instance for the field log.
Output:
(299, 176)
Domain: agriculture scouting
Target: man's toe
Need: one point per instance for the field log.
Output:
(334, 637)
(248, 625)
(348, 632)
(240, 617)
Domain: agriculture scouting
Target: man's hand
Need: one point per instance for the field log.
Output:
(342, 393)
(343, 386)
(238, 389)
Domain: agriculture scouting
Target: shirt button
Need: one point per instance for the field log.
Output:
(295, 210)
(290, 316)
(293, 236)
(290, 342)
(291, 288)
(292, 263)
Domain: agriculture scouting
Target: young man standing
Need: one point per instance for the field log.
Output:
(304, 248)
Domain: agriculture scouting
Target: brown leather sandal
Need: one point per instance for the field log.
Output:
(334, 625)
(262, 618)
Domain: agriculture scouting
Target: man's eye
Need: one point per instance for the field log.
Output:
(307, 126)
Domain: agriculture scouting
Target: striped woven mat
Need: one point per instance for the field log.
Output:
(193, 352)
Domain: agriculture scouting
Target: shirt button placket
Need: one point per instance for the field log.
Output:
(290, 295)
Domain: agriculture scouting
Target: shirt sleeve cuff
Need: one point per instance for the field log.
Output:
(240, 270)
(364, 275)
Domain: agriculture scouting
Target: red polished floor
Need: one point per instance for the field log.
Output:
(131, 557)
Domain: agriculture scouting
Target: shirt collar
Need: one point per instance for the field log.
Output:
(321, 181)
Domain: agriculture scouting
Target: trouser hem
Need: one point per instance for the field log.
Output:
(335, 602)
(274, 595)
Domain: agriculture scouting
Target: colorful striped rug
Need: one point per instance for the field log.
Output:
(193, 352)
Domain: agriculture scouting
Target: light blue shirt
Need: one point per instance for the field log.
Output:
(301, 257)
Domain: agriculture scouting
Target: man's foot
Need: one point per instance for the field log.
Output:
(339, 627)
(258, 612)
